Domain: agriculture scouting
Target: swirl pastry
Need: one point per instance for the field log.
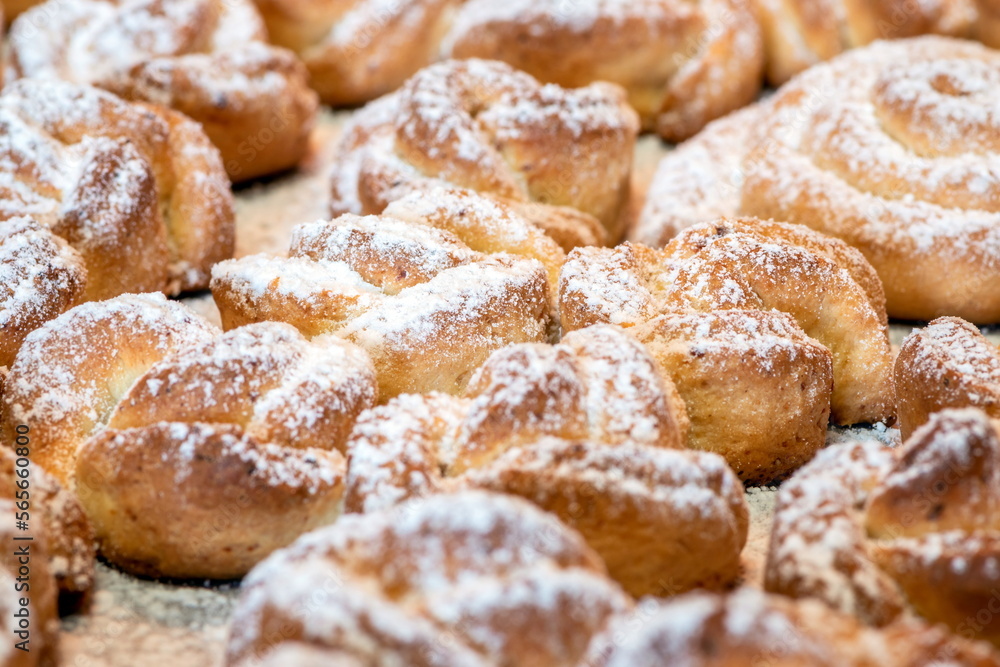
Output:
(560, 157)
(137, 190)
(874, 532)
(458, 579)
(800, 33)
(947, 364)
(725, 306)
(610, 471)
(682, 63)
(427, 308)
(239, 434)
(205, 58)
(889, 148)
(748, 628)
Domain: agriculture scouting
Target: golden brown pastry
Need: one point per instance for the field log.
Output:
(801, 33)
(457, 579)
(357, 50)
(11, 9)
(888, 147)
(41, 276)
(427, 308)
(683, 64)
(947, 364)
(875, 532)
(748, 628)
(550, 152)
(710, 306)
(137, 190)
(205, 58)
(585, 429)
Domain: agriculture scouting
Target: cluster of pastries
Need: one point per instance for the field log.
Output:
(490, 412)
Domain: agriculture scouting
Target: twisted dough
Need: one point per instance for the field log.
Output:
(425, 306)
(873, 531)
(206, 58)
(137, 190)
(947, 364)
(549, 152)
(239, 434)
(890, 148)
(458, 579)
(682, 63)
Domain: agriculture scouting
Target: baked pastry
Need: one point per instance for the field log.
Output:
(713, 300)
(41, 276)
(584, 429)
(357, 50)
(682, 63)
(748, 627)
(205, 58)
(426, 307)
(483, 126)
(886, 148)
(457, 579)
(800, 33)
(947, 364)
(874, 531)
(10, 9)
(137, 190)
(249, 425)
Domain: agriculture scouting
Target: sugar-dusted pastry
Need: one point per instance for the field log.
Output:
(947, 364)
(558, 156)
(750, 319)
(878, 532)
(890, 147)
(137, 190)
(427, 308)
(683, 64)
(458, 579)
(800, 33)
(169, 425)
(205, 58)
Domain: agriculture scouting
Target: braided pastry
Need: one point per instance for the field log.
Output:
(706, 306)
(458, 579)
(947, 364)
(873, 531)
(682, 63)
(750, 628)
(889, 148)
(549, 152)
(205, 58)
(801, 33)
(608, 471)
(426, 307)
(357, 50)
(137, 190)
(251, 423)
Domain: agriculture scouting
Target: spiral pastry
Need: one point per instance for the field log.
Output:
(560, 157)
(205, 58)
(892, 148)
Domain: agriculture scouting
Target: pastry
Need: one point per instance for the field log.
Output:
(240, 434)
(947, 364)
(481, 125)
(457, 579)
(426, 307)
(876, 532)
(683, 64)
(749, 628)
(357, 50)
(205, 58)
(889, 148)
(722, 294)
(801, 33)
(137, 190)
